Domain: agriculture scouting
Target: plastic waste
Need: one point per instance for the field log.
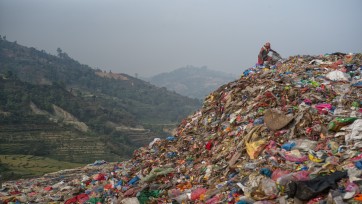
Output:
(254, 148)
(338, 76)
(213, 200)
(134, 180)
(251, 138)
(355, 131)
(295, 176)
(171, 138)
(198, 194)
(324, 108)
(133, 200)
(267, 172)
(337, 123)
(304, 144)
(306, 190)
(358, 164)
(269, 187)
(276, 120)
(295, 156)
(277, 173)
(288, 146)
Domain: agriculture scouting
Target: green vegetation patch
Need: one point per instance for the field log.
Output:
(27, 166)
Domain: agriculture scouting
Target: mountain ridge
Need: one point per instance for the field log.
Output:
(194, 82)
(114, 110)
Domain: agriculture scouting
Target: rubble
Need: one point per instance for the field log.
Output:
(289, 133)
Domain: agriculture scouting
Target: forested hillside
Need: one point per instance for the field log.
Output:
(55, 106)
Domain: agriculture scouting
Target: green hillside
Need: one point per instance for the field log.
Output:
(55, 107)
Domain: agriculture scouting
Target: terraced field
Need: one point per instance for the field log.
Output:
(23, 166)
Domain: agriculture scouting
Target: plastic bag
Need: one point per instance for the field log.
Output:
(183, 198)
(269, 187)
(295, 156)
(296, 176)
(356, 131)
(134, 180)
(304, 144)
(338, 76)
(337, 123)
(198, 194)
(213, 200)
(288, 146)
(133, 200)
(277, 173)
(323, 108)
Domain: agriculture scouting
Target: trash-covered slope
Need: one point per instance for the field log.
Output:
(276, 135)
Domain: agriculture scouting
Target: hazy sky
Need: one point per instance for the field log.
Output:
(153, 36)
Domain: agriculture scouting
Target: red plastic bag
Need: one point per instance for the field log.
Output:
(289, 156)
(213, 200)
(323, 107)
(277, 173)
(197, 193)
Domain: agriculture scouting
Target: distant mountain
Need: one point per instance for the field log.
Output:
(54, 106)
(192, 81)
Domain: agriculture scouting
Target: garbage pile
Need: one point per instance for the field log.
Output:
(289, 133)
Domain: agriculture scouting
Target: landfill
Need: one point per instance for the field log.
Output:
(286, 133)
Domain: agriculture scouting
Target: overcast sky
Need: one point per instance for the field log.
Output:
(153, 36)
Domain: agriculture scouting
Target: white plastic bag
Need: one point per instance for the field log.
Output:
(338, 76)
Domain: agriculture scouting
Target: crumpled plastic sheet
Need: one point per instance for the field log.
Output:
(338, 76)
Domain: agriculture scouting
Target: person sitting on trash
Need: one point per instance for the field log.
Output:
(263, 54)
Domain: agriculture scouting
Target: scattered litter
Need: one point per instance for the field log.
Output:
(282, 134)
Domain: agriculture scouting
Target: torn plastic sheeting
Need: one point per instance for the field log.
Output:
(358, 84)
(153, 142)
(99, 177)
(145, 195)
(266, 172)
(304, 144)
(99, 162)
(355, 131)
(134, 180)
(269, 188)
(213, 200)
(288, 146)
(156, 172)
(171, 138)
(324, 108)
(314, 158)
(294, 156)
(338, 76)
(306, 190)
(198, 194)
(95, 201)
(277, 173)
(337, 123)
(183, 198)
(358, 164)
(171, 154)
(81, 198)
(133, 200)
